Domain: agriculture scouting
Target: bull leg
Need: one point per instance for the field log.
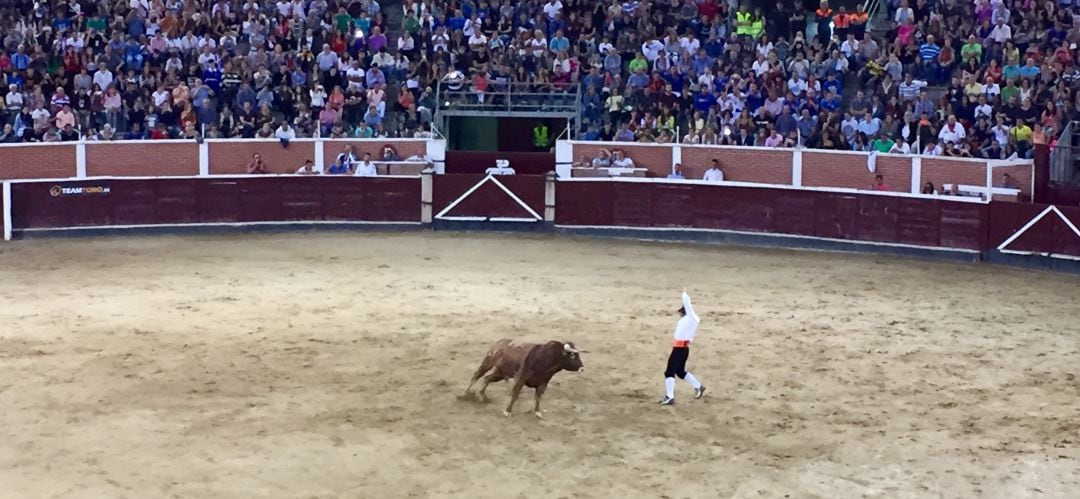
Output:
(518, 384)
(480, 371)
(536, 400)
(489, 379)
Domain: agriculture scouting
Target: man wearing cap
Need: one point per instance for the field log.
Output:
(680, 352)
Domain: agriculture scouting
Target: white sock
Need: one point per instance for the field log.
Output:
(669, 386)
(693, 381)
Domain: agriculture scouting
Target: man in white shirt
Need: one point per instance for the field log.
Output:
(952, 132)
(685, 330)
(651, 49)
(900, 147)
(365, 168)
(355, 74)
(714, 174)
(103, 77)
(689, 43)
(983, 109)
(478, 41)
(308, 168)
(284, 132)
(552, 8)
(1002, 32)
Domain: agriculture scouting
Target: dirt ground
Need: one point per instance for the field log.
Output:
(329, 365)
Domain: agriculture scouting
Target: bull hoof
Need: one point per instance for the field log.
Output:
(506, 413)
(538, 415)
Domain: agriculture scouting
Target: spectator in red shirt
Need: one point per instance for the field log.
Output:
(879, 183)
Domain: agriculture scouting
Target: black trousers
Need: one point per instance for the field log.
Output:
(676, 362)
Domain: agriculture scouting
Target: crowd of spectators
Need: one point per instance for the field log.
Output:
(984, 78)
(138, 69)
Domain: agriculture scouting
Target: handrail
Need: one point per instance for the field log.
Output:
(1062, 166)
(507, 96)
(871, 7)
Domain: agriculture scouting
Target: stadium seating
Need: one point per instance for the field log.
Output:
(984, 78)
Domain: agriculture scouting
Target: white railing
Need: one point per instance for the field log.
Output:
(565, 156)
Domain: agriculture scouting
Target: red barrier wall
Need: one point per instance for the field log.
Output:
(1063, 194)
(1049, 235)
(217, 200)
(857, 217)
(488, 200)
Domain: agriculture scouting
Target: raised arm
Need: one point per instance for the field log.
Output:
(687, 305)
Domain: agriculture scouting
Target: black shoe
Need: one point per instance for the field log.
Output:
(667, 401)
(699, 392)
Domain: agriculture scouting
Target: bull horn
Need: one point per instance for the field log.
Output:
(571, 349)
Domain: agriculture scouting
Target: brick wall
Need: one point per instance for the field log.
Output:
(37, 161)
(233, 157)
(824, 169)
(951, 171)
(656, 158)
(143, 158)
(741, 165)
(1021, 173)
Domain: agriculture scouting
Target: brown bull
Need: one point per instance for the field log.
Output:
(529, 364)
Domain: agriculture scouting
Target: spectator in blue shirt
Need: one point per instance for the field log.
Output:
(928, 56)
(456, 23)
(211, 75)
(704, 100)
(133, 56)
(1029, 70)
(20, 60)
(638, 80)
(559, 42)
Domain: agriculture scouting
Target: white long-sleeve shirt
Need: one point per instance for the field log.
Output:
(713, 175)
(686, 328)
(365, 169)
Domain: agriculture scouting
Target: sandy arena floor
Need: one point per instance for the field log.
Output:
(329, 365)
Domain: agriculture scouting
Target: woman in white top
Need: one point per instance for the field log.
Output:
(537, 44)
(406, 43)
(620, 160)
(318, 97)
(440, 39)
